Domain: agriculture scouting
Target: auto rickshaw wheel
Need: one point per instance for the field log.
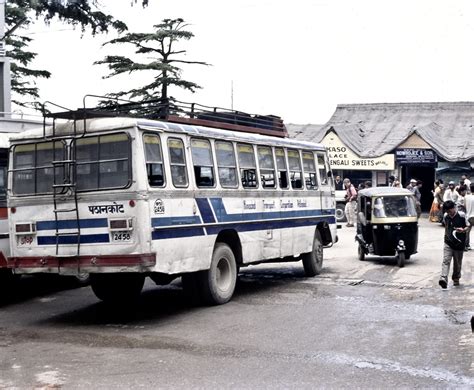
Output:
(313, 261)
(401, 259)
(361, 253)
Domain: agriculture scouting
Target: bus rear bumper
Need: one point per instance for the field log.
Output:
(73, 265)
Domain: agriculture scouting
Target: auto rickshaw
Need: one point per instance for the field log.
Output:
(387, 223)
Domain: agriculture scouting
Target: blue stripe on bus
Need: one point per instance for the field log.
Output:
(205, 210)
(273, 225)
(175, 221)
(177, 233)
(85, 239)
(72, 224)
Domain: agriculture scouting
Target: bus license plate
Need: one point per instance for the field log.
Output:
(121, 236)
(25, 240)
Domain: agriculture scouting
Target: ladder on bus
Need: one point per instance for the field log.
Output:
(64, 188)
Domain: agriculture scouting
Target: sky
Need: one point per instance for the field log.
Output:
(295, 59)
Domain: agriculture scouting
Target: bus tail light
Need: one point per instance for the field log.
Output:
(120, 225)
(25, 228)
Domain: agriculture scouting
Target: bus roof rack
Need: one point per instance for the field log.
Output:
(175, 111)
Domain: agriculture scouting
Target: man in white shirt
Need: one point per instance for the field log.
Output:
(467, 182)
(469, 204)
(451, 193)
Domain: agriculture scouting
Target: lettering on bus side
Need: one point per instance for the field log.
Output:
(250, 205)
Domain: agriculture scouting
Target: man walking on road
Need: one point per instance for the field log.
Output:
(351, 205)
(469, 204)
(456, 227)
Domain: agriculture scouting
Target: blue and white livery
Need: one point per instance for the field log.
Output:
(124, 198)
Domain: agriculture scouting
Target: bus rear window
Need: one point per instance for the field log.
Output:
(103, 162)
(33, 171)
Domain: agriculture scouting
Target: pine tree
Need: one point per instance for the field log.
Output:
(20, 14)
(161, 45)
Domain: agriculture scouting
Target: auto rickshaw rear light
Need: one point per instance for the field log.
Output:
(13, 210)
(386, 227)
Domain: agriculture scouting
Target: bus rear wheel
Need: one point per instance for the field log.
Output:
(117, 288)
(313, 261)
(217, 284)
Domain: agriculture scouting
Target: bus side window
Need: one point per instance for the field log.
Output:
(248, 168)
(179, 174)
(296, 174)
(202, 162)
(154, 160)
(226, 164)
(281, 168)
(323, 172)
(309, 168)
(267, 166)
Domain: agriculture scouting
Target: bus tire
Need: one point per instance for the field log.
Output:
(117, 288)
(313, 261)
(217, 284)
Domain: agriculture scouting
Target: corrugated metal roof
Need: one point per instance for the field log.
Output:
(372, 130)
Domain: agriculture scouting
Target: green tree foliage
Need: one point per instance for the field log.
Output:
(160, 56)
(20, 14)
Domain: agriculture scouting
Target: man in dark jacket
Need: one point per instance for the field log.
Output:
(456, 226)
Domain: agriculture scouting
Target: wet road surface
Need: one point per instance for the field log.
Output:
(358, 324)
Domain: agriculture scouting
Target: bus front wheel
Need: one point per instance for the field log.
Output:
(117, 288)
(217, 284)
(313, 261)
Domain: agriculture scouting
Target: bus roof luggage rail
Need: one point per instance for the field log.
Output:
(174, 111)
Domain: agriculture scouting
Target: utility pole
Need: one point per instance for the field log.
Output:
(5, 81)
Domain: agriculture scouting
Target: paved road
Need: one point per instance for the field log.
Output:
(359, 324)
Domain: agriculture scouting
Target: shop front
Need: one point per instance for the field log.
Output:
(416, 160)
(345, 163)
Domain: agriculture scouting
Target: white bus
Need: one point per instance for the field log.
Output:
(123, 199)
(10, 123)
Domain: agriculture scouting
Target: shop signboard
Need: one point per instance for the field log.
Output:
(341, 157)
(409, 156)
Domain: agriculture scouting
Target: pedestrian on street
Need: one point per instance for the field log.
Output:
(351, 202)
(456, 227)
(469, 203)
(467, 182)
(436, 206)
(451, 193)
(414, 186)
(338, 183)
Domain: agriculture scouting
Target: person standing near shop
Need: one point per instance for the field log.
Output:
(451, 193)
(456, 227)
(414, 186)
(469, 204)
(351, 202)
(338, 183)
